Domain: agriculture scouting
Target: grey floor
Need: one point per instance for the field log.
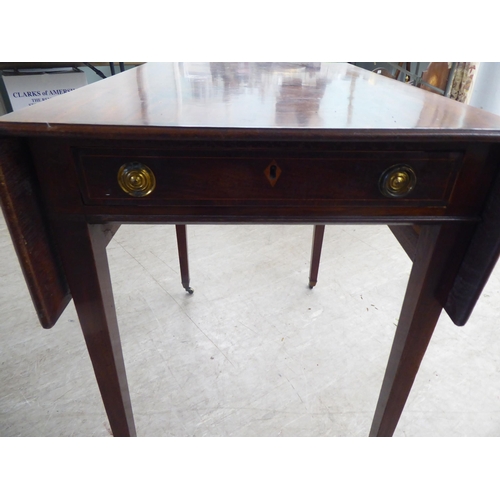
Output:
(253, 352)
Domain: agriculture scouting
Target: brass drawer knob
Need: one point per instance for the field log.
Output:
(136, 179)
(397, 181)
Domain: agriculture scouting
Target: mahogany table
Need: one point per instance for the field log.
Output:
(251, 143)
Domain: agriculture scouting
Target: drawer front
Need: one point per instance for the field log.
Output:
(345, 178)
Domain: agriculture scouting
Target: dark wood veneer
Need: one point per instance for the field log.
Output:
(27, 223)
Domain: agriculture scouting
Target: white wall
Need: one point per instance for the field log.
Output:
(486, 90)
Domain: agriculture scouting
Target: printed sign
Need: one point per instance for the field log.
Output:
(29, 88)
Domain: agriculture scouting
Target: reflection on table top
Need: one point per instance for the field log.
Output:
(316, 96)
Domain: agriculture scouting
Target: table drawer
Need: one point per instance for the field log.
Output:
(339, 179)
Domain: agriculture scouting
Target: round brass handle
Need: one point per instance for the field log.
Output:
(136, 179)
(397, 181)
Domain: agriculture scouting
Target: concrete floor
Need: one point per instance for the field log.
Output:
(253, 352)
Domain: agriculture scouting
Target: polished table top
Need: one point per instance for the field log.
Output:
(251, 143)
(235, 97)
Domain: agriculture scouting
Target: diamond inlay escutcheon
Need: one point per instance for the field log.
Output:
(272, 173)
